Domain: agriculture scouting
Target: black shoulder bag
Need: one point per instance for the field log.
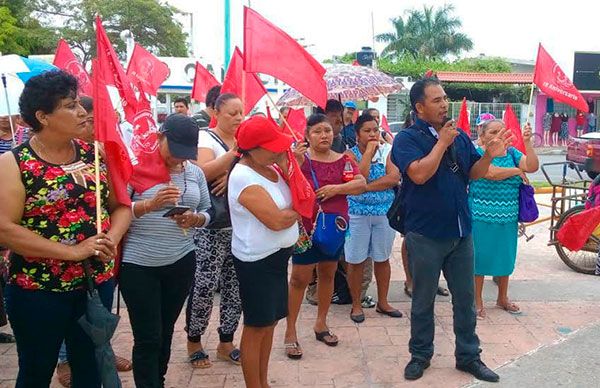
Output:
(219, 205)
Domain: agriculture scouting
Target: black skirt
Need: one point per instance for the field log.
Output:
(264, 288)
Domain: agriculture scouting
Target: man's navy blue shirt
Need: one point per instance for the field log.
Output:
(438, 208)
(349, 135)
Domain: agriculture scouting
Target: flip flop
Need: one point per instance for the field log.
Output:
(357, 318)
(511, 308)
(123, 364)
(199, 356)
(321, 336)
(442, 291)
(293, 350)
(481, 314)
(233, 356)
(407, 291)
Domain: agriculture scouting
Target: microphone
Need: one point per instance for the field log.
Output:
(451, 150)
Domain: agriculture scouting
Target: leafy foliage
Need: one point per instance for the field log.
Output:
(150, 21)
(426, 33)
(22, 34)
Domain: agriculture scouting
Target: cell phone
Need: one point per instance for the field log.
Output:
(177, 210)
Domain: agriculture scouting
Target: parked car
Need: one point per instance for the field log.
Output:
(585, 152)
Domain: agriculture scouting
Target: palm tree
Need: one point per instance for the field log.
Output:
(428, 33)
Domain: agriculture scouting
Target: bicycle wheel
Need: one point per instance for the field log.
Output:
(583, 261)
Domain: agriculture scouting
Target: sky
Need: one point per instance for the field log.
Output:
(507, 28)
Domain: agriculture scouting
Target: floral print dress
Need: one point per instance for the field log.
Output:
(60, 205)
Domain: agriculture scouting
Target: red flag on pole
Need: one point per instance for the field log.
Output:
(511, 122)
(251, 89)
(65, 59)
(297, 121)
(385, 125)
(463, 118)
(113, 72)
(107, 131)
(270, 50)
(550, 78)
(203, 82)
(150, 168)
(146, 70)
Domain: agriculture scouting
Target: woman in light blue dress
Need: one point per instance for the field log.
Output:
(494, 203)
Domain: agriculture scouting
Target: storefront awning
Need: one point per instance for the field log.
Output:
(485, 78)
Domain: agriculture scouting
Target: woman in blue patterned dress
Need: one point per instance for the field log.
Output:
(370, 233)
(494, 202)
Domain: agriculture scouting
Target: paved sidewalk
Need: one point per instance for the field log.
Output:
(556, 302)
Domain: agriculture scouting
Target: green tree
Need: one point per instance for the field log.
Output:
(428, 33)
(22, 34)
(151, 22)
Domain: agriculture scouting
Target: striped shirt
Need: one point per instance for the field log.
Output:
(5, 146)
(154, 240)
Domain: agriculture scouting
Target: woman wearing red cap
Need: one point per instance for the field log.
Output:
(265, 228)
(336, 177)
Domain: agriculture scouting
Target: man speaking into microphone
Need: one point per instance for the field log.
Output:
(437, 161)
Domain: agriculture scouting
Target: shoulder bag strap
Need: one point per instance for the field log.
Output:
(217, 139)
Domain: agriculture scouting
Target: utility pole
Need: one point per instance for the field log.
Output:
(227, 48)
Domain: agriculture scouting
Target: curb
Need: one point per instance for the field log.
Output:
(547, 190)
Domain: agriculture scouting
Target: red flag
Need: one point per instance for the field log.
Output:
(203, 81)
(146, 71)
(150, 169)
(550, 78)
(297, 121)
(113, 72)
(270, 116)
(463, 118)
(385, 125)
(250, 90)
(270, 50)
(107, 131)
(65, 59)
(511, 122)
(303, 196)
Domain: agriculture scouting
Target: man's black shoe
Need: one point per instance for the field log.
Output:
(415, 367)
(478, 369)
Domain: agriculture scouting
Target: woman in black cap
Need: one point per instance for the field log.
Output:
(158, 257)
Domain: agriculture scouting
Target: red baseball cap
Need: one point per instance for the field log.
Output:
(262, 132)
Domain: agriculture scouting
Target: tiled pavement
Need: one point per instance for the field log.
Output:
(373, 354)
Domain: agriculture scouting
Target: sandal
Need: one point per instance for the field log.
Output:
(322, 337)
(195, 357)
(233, 357)
(123, 364)
(6, 338)
(511, 308)
(481, 314)
(407, 291)
(442, 291)
(63, 372)
(293, 350)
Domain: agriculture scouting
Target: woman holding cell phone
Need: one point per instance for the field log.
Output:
(159, 254)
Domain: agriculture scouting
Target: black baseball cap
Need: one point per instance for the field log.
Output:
(182, 136)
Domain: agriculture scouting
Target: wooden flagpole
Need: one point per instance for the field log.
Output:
(283, 118)
(530, 101)
(98, 188)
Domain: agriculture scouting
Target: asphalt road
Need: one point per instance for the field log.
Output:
(555, 172)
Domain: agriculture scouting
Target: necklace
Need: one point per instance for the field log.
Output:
(41, 151)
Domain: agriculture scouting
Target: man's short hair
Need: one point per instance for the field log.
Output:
(183, 100)
(333, 106)
(417, 92)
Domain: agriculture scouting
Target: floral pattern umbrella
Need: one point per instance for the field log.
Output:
(348, 83)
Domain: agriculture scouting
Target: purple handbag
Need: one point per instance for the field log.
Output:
(528, 209)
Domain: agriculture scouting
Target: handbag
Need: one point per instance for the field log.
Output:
(528, 209)
(395, 213)
(329, 229)
(219, 205)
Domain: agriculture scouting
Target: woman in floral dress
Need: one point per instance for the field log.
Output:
(48, 221)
